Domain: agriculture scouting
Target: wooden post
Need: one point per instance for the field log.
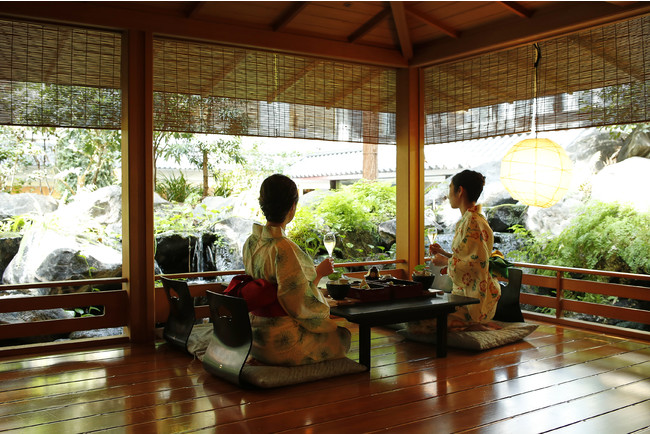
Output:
(410, 169)
(137, 183)
(370, 135)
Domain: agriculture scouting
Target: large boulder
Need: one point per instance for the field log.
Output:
(502, 217)
(34, 316)
(637, 144)
(47, 255)
(625, 182)
(31, 204)
(9, 245)
(552, 220)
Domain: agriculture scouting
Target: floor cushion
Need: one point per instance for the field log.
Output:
(479, 340)
(199, 339)
(267, 376)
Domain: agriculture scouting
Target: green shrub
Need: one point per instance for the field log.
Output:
(602, 236)
(178, 189)
(353, 213)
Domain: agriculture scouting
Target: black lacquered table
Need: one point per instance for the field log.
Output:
(377, 313)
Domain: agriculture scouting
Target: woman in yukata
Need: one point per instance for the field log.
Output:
(306, 334)
(468, 263)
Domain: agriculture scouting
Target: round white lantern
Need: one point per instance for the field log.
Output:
(536, 172)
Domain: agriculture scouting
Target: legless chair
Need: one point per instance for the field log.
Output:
(231, 340)
(231, 343)
(508, 307)
(181, 318)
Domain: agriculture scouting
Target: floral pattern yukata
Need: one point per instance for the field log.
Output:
(307, 334)
(469, 269)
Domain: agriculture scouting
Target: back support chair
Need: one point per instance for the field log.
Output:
(181, 318)
(508, 307)
(231, 339)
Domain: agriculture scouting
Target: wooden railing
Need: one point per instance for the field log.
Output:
(561, 304)
(115, 302)
(115, 305)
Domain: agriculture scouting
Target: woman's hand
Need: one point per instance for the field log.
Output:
(440, 260)
(435, 249)
(323, 269)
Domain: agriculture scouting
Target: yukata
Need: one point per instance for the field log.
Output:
(307, 334)
(469, 270)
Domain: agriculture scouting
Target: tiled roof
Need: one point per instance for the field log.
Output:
(446, 157)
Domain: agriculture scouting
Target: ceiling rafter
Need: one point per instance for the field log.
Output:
(349, 91)
(432, 22)
(517, 9)
(293, 80)
(288, 15)
(49, 69)
(620, 63)
(238, 58)
(369, 25)
(399, 17)
(193, 9)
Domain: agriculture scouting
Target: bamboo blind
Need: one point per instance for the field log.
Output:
(591, 78)
(209, 88)
(54, 75)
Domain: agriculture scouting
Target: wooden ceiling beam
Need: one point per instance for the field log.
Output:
(238, 58)
(517, 9)
(112, 16)
(293, 80)
(193, 9)
(399, 17)
(556, 20)
(344, 93)
(369, 25)
(432, 22)
(288, 15)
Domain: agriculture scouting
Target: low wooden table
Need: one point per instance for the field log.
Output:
(372, 314)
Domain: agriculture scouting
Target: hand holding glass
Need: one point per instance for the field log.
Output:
(330, 241)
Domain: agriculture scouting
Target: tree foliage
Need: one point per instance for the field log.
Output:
(602, 236)
(353, 213)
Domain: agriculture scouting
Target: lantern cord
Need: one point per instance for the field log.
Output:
(538, 58)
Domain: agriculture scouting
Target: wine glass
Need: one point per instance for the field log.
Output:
(330, 241)
(432, 233)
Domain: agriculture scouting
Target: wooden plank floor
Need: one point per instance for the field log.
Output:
(558, 379)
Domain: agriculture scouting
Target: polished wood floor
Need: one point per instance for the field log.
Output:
(558, 379)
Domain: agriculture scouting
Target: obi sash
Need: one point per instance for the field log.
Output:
(261, 295)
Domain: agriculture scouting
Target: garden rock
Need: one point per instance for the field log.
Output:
(637, 144)
(102, 206)
(388, 231)
(215, 208)
(625, 182)
(32, 204)
(552, 220)
(9, 244)
(34, 316)
(97, 333)
(47, 255)
(502, 217)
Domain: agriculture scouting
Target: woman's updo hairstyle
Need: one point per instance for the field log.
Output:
(278, 194)
(471, 181)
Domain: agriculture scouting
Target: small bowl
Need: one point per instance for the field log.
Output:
(338, 291)
(426, 281)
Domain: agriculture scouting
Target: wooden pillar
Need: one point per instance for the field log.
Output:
(370, 135)
(137, 182)
(410, 168)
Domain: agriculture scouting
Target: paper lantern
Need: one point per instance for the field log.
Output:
(536, 172)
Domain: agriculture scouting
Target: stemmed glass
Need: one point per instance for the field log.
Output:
(330, 241)
(432, 233)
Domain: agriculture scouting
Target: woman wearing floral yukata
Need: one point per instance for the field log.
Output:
(306, 334)
(468, 263)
